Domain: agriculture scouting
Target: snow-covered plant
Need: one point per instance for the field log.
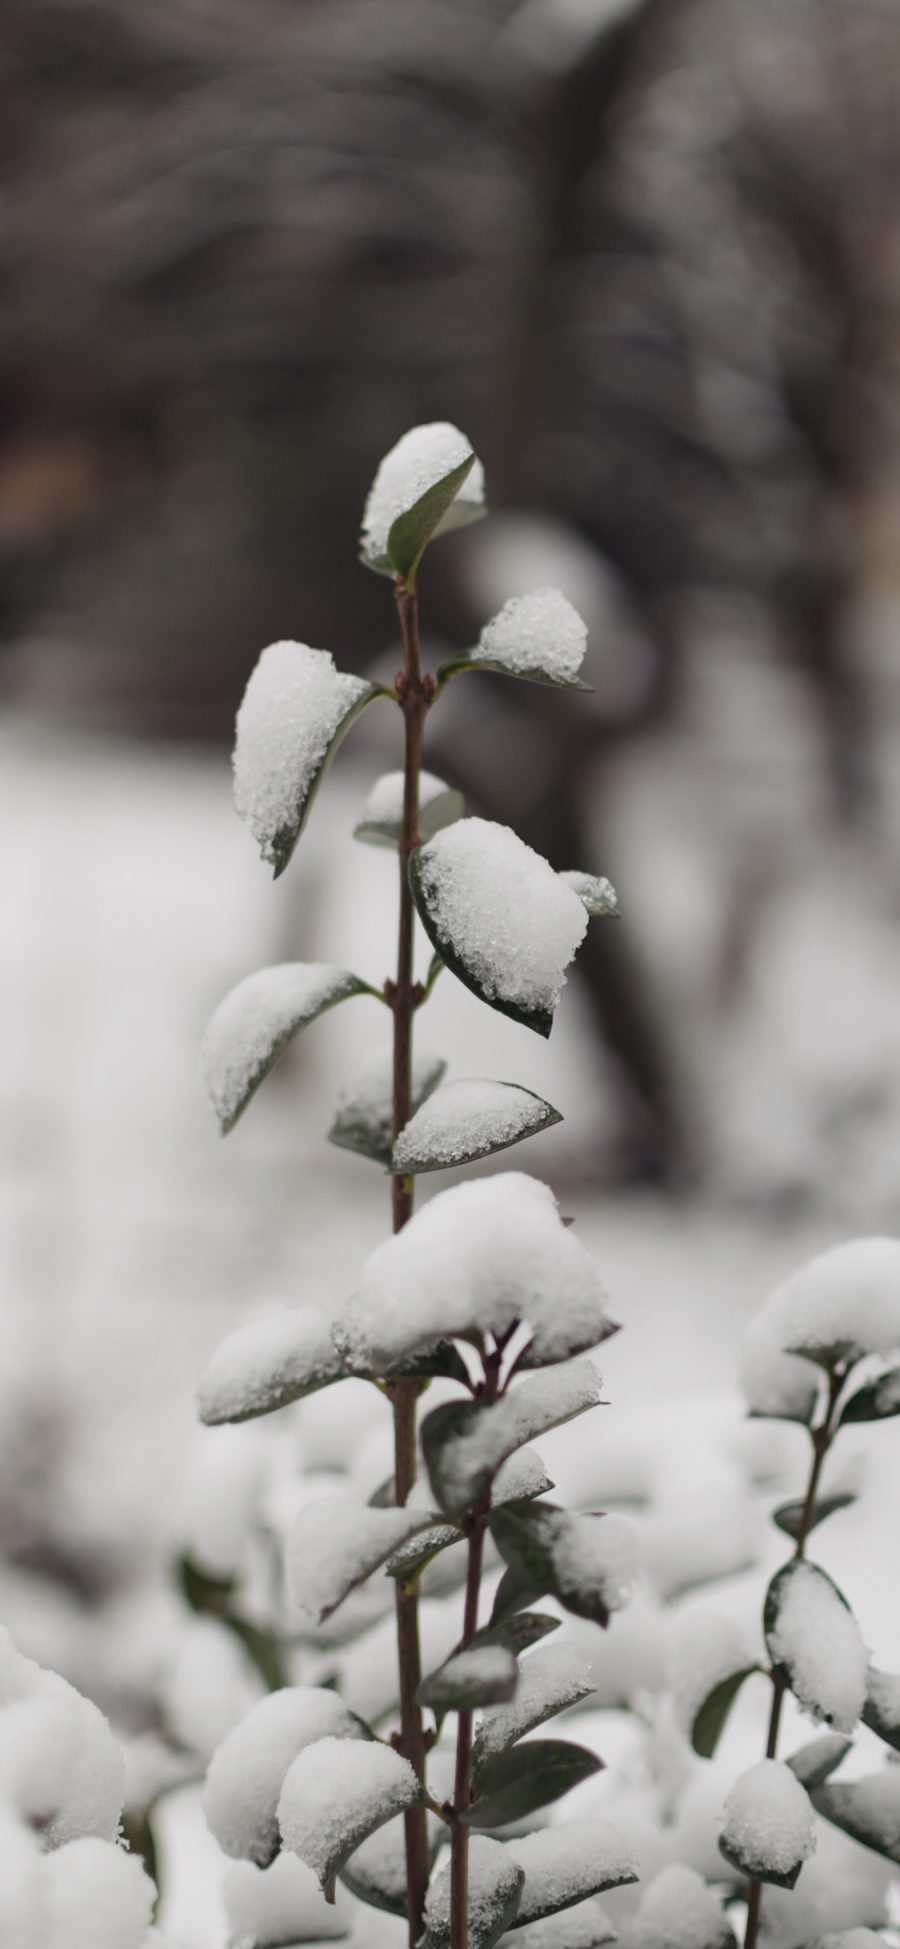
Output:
(823, 1352)
(484, 1296)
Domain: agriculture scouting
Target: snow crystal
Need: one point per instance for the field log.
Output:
(819, 1640)
(494, 1883)
(550, 1679)
(266, 1363)
(585, 1926)
(268, 1907)
(256, 1021)
(775, 1382)
(246, 1774)
(511, 922)
(598, 894)
(334, 1545)
(469, 1119)
(483, 1254)
(292, 708)
(706, 1649)
(97, 1897)
(846, 1302)
(530, 1409)
(536, 635)
(335, 1794)
(57, 1754)
(595, 1555)
(381, 818)
(421, 458)
(678, 1911)
(768, 1824)
(364, 1119)
(564, 1864)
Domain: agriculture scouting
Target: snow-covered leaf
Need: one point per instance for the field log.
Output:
(381, 820)
(477, 1258)
(280, 1906)
(246, 1773)
(845, 1304)
(678, 1911)
(813, 1638)
(586, 1926)
(335, 1794)
(520, 1479)
(877, 1401)
(513, 1783)
(551, 1679)
(768, 1826)
(466, 1120)
(296, 710)
(520, 1631)
(499, 917)
(789, 1515)
(438, 1360)
(428, 484)
(365, 1114)
(709, 1722)
(63, 1772)
(538, 636)
(588, 1563)
(263, 1366)
(565, 1865)
(465, 1442)
(868, 1809)
(495, 1888)
(598, 894)
(376, 1872)
(479, 1676)
(882, 1707)
(815, 1762)
(335, 1544)
(252, 1027)
(408, 1562)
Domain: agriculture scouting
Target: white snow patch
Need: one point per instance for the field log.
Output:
(334, 1545)
(291, 710)
(540, 634)
(511, 921)
(469, 1119)
(255, 1023)
(246, 1774)
(261, 1364)
(819, 1640)
(483, 1254)
(768, 1822)
(337, 1792)
(421, 458)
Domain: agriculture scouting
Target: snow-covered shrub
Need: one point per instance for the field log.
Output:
(484, 1295)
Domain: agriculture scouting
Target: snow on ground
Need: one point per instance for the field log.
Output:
(134, 1239)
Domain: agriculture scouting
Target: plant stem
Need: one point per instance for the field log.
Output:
(459, 1840)
(414, 697)
(821, 1438)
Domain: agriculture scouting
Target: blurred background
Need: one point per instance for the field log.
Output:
(647, 254)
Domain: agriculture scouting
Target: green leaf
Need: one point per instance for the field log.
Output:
(514, 1591)
(518, 1632)
(709, 1721)
(439, 1361)
(513, 1784)
(267, 1364)
(882, 1708)
(364, 1118)
(479, 1676)
(380, 822)
(877, 1401)
(867, 1809)
(789, 1515)
(257, 1020)
(465, 1121)
(495, 1887)
(296, 711)
(465, 1442)
(583, 1338)
(412, 531)
(542, 1546)
(816, 1761)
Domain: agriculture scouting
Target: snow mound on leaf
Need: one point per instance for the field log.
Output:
(255, 1022)
(60, 1767)
(512, 922)
(292, 708)
(846, 1300)
(335, 1544)
(246, 1774)
(768, 1820)
(338, 1791)
(540, 633)
(678, 1911)
(481, 1255)
(257, 1364)
(564, 1864)
(550, 1679)
(421, 458)
(494, 1878)
(468, 1119)
(818, 1638)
